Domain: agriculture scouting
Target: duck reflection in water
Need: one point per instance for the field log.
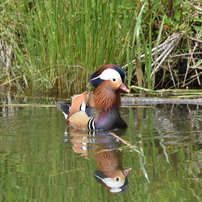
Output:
(104, 147)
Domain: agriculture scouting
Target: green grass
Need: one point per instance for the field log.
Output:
(55, 36)
(157, 38)
(53, 46)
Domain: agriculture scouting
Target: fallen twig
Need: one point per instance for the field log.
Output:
(125, 142)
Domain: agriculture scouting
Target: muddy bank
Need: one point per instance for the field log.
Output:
(130, 101)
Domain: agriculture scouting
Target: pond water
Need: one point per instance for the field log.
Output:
(42, 160)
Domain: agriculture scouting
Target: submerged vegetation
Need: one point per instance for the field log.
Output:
(53, 46)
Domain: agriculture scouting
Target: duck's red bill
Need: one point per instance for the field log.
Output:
(124, 88)
(126, 171)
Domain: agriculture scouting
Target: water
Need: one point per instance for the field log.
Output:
(42, 161)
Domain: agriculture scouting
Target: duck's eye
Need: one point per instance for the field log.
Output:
(117, 179)
(114, 79)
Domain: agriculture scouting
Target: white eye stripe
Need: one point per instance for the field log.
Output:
(109, 74)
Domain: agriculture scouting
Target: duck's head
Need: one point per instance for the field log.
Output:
(113, 73)
(116, 183)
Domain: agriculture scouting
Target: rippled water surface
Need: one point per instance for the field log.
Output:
(42, 160)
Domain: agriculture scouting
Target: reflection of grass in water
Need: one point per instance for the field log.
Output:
(198, 115)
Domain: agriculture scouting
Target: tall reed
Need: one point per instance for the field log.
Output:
(55, 45)
(58, 36)
(148, 64)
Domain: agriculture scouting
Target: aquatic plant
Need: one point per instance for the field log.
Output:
(53, 46)
(166, 46)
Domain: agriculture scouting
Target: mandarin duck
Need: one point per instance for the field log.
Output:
(110, 171)
(102, 146)
(99, 110)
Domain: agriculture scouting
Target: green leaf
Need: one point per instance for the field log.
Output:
(197, 28)
(197, 19)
